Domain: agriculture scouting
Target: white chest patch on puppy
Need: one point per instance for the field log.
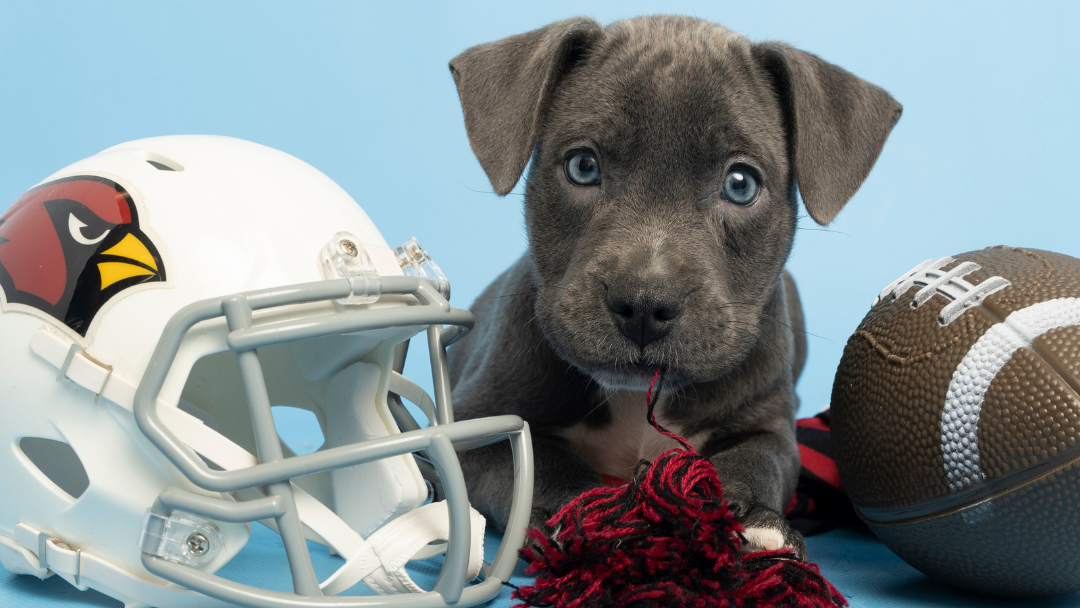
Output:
(615, 448)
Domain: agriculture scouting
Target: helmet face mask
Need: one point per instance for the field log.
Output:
(165, 397)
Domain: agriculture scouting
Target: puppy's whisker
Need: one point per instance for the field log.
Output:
(778, 321)
(822, 230)
(765, 339)
(509, 295)
(802, 331)
(468, 187)
(598, 406)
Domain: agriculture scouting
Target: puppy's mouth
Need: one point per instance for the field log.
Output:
(639, 367)
(635, 375)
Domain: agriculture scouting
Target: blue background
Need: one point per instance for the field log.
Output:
(983, 155)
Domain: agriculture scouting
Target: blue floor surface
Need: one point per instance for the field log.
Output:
(866, 572)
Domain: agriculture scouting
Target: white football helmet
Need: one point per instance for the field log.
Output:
(157, 300)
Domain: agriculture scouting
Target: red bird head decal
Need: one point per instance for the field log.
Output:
(68, 246)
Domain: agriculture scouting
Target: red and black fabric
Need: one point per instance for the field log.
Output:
(819, 503)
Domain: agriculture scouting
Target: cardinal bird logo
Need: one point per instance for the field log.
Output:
(69, 246)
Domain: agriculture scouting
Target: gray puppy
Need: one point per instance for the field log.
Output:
(661, 207)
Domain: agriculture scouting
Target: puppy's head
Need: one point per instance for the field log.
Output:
(660, 202)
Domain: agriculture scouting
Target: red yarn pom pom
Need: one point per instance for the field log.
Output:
(666, 540)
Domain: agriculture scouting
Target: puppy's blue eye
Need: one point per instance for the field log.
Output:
(583, 169)
(740, 186)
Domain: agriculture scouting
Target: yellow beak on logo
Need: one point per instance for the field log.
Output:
(141, 262)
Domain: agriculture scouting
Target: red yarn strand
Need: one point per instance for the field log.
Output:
(651, 398)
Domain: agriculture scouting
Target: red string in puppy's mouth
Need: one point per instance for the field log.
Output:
(651, 398)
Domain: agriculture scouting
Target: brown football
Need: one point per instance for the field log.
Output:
(956, 419)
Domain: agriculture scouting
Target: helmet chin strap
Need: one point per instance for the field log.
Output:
(381, 560)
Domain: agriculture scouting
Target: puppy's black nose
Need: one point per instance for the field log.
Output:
(644, 310)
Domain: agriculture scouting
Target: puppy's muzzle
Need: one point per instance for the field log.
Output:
(644, 309)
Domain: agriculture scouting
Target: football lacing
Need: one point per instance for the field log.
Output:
(950, 284)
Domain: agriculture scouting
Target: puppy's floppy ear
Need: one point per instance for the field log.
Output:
(837, 125)
(505, 88)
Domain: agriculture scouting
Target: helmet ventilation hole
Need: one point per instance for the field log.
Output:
(57, 461)
(162, 163)
(299, 429)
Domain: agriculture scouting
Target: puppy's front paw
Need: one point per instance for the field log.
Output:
(767, 530)
(763, 528)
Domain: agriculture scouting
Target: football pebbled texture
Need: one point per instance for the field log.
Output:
(956, 418)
